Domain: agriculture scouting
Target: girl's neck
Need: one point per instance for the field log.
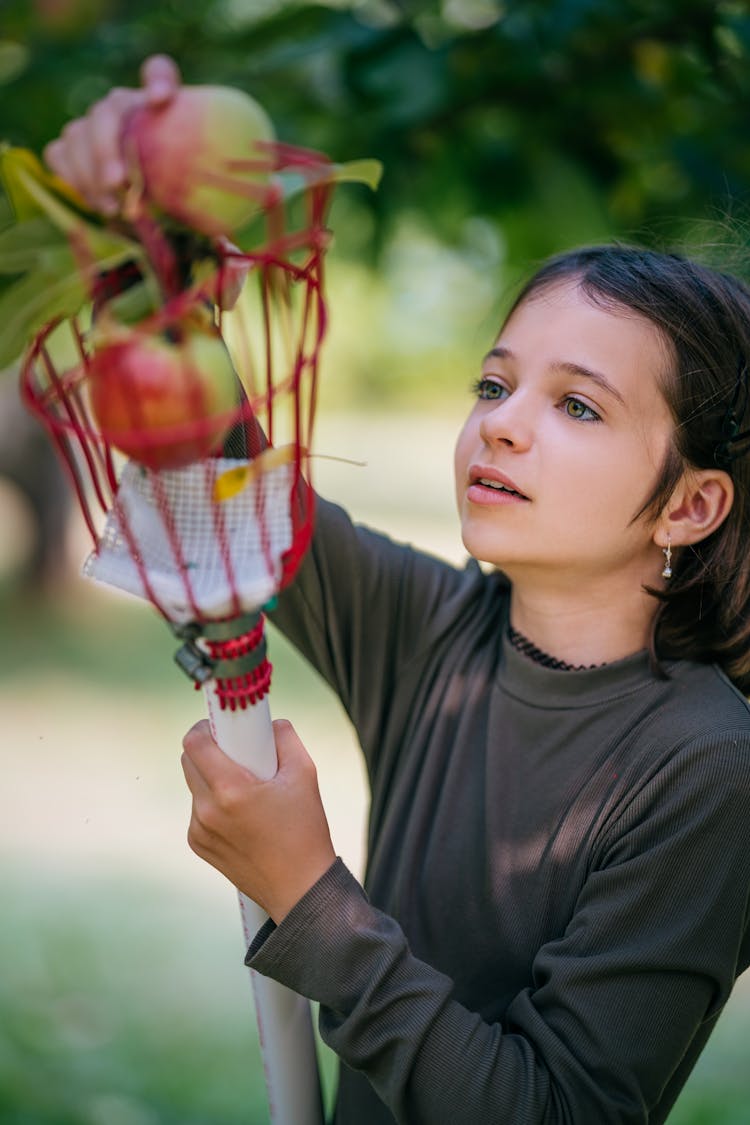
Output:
(583, 629)
(528, 648)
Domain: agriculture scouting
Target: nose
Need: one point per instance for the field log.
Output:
(509, 423)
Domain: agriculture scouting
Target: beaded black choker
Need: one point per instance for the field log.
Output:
(528, 648)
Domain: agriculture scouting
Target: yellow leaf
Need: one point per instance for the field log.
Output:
(17, 166)
(367, 172)
(31, 186)
(233, 481)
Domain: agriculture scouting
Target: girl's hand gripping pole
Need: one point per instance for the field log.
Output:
(244, 732)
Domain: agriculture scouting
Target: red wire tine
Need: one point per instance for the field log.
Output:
(101, 452)
(279, 347)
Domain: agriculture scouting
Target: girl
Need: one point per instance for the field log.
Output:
(558, 747)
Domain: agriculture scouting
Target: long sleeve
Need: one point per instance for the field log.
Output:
(362, 608)
(619, 1005)
(555, 906)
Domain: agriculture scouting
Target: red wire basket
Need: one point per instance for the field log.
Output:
(187, 435)
(186, 431)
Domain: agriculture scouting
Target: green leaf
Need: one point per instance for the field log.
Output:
(18, 166)
(32, 303)
(294, 182)
(367, 172)
(99, 242)
(25, 245)
(58, 278)
(136, 303)
(59, 286)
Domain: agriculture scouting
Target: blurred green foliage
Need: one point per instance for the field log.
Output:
(508, 131)
(632, 114)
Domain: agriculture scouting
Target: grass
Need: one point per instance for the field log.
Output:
(123, 1008)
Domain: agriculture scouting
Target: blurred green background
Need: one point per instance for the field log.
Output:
(508, 131)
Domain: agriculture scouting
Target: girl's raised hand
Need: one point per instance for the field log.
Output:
(87, 152)
(269, 838)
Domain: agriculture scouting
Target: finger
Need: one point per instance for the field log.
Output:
(161, 79)
(197, 738)
(194, 779)
(290, 749)
(105, 121)
(82, 152)
(56, 157)
(198, 745)
(283, 729)
(220, 773)
(73, 160)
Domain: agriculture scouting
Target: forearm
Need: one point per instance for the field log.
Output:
(390, 1015)
(618, 1002)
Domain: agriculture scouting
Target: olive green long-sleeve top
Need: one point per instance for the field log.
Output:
(558, 886)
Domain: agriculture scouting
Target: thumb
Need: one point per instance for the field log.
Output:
(289, 746)
(161, 79)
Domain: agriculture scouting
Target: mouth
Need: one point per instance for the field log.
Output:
(495, 481)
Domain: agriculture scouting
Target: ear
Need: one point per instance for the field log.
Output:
(699, 504)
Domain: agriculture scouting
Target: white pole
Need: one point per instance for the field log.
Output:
(284, 1019)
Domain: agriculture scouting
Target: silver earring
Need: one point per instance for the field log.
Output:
(667, 572)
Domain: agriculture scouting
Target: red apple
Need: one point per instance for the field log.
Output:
(182, 155)
(165, 400)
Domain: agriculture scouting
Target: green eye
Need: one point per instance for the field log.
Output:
(574, 408)
(488, 389)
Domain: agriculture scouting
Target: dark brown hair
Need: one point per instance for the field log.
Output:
(704, 317)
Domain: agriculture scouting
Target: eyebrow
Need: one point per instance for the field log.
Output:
(566, 368)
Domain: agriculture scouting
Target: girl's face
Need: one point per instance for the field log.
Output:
(569, 417)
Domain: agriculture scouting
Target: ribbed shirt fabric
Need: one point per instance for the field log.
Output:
(558, 883)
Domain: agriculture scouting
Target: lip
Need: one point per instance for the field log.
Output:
(483, 494)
